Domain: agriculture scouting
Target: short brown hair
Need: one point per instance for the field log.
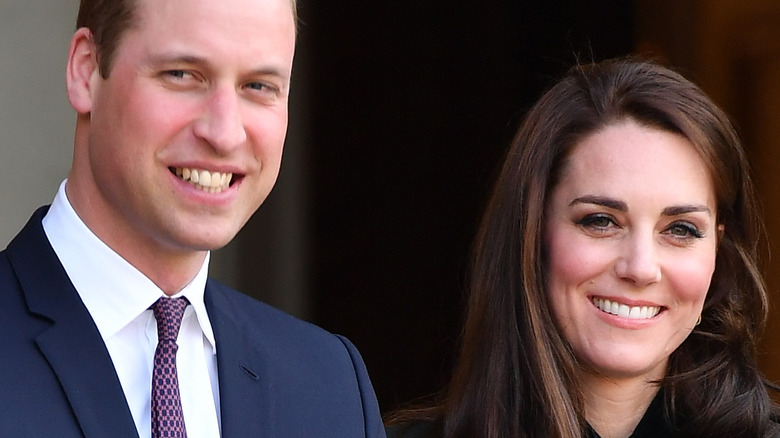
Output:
(108, 20)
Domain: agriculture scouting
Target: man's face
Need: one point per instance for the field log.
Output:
(185, 136)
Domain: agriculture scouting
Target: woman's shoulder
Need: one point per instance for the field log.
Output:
(417, 429)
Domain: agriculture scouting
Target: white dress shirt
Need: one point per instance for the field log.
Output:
(118, 297)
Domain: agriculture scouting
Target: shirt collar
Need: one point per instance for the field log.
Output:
(113, 290)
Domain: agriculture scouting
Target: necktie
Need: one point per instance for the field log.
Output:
(167, 417)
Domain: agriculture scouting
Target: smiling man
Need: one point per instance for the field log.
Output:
(111, 325)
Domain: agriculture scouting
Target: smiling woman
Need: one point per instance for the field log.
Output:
(614, 289)
(627, 279)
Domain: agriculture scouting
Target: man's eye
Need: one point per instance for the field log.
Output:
(177, 74)
(263, 87)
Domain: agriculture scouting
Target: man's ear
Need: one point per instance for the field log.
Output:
(82, 71)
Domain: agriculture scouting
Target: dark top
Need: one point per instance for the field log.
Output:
(652, 425)
(421, 429)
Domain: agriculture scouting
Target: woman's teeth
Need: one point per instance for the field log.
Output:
(624, 311)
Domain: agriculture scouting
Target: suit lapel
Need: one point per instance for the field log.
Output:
(245, 389)
(72, 345)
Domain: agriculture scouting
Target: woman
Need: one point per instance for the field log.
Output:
(615, 287)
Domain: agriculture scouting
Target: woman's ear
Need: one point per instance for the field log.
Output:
(82, 70)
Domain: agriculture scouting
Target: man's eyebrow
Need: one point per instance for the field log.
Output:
(175, 58)
(601, 200)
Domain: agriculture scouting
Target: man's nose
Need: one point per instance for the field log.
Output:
(221, 123)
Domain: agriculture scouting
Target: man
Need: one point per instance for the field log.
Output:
(181, 118)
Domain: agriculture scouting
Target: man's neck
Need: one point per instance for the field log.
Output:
(168, 267)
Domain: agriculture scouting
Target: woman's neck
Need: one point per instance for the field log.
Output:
(613, 407)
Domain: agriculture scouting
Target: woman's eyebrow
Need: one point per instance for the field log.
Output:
(676, 210)
(601, 200)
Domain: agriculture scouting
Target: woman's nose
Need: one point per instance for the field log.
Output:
(639, 263)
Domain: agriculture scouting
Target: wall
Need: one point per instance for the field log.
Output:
(36, 121)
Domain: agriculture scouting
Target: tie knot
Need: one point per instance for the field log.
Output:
(168, 313)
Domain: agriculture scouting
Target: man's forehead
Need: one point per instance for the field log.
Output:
(216, 18)
(152, 5)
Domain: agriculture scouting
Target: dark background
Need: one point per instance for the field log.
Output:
(410, 107)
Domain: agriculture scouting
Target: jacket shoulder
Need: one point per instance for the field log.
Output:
(306, 368)
(254, 314)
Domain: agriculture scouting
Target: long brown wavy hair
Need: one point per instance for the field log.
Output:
(516, 375)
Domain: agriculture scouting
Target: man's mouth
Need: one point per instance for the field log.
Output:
(211, 182)
(624, 311)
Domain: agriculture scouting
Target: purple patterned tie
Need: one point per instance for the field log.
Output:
(167, 417)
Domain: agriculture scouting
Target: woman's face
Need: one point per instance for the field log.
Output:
(631, 236)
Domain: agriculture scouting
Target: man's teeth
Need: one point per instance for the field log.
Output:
(212, 182)
(622, 310)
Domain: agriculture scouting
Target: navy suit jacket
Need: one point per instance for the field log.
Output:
(278, 376)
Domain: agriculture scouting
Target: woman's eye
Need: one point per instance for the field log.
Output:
(596, 221)
(684, 229)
